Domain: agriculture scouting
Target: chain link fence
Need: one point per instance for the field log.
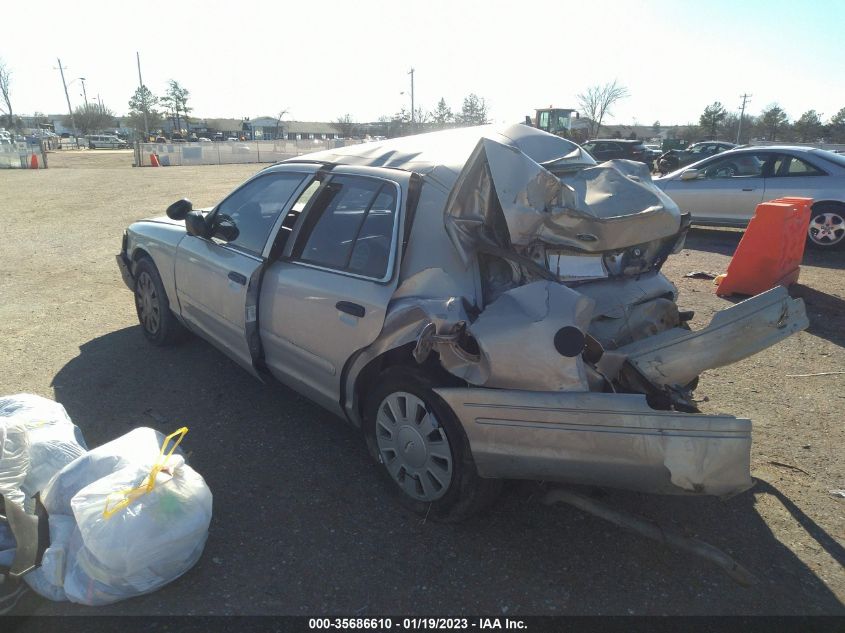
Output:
(20, 156)
(227, 152)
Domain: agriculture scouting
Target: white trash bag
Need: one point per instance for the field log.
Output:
(14, 460)
(138, 528)
(140, 447)
(48, 579)
(39, 441)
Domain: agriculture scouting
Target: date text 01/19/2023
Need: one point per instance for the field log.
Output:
(415, 624)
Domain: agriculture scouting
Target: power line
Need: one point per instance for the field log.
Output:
(64, 85)
(745, 98)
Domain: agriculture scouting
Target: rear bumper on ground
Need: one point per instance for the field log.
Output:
(603, 439)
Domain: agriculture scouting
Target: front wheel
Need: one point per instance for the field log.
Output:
(159, 324)
(422, 449)
(827, 227)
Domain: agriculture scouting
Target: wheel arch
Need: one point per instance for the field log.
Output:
(837, 203)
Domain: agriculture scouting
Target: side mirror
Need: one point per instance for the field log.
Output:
(179, 209)
(196, 225)
(690, 174)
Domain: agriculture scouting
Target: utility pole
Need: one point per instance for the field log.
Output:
(141, 85)
(84, 94)
(412, 95)
(69, 109)
(745, 98)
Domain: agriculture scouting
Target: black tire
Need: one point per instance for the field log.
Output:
(466, 493)
(826, 230)
(158, 323)
(91, 146)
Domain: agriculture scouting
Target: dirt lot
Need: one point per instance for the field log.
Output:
(303, 524)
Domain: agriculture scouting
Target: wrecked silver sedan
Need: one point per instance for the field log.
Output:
(483, 303)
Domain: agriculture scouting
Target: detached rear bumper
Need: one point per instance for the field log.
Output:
(605, 439)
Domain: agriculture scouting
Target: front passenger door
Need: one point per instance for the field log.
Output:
(217, 281)
(727, 190)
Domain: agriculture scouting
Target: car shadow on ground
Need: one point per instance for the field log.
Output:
(304, 523)
(826, 313)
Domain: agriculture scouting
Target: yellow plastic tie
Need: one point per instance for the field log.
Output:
(123, 498)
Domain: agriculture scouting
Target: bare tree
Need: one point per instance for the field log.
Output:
(596, 102)
(5, 81)
(346, 126)
(94, 118)
(176, 102)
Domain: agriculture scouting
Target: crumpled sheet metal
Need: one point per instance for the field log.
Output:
(676, 356)
(515, 335)
(603, 208)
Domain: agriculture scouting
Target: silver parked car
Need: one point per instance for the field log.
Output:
(484, 304)
(724, 190)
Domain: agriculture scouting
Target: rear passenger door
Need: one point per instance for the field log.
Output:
(326, 296)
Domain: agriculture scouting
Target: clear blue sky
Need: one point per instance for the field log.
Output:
(320, 60)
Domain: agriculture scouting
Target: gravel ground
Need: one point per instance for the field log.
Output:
(302, 522)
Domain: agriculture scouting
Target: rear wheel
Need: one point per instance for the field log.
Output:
(158, 323)
(827, 226)
(422, 449)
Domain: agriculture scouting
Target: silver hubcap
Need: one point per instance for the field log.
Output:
(413, 446)
(827, 229)
(146, 299)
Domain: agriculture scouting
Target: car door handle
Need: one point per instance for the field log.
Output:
(351, 308)
(749, 189)
(237, 278)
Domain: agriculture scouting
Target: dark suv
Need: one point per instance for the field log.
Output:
(607, 149)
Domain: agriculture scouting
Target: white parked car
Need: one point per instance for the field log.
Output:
(106, 141)
(724, 190)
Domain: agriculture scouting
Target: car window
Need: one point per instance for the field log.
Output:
(253, 208)
(747, 165)
(792, 166)
(831, 157)
(352, 227)
(590, 147)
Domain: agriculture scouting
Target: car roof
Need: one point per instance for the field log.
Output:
(790, 148)
(446, 151)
